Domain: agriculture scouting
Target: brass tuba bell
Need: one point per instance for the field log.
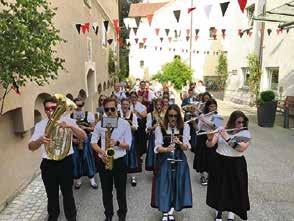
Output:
(61, 138)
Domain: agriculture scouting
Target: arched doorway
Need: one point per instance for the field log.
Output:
(91, 89)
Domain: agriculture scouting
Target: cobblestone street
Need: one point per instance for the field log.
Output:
(271, 184)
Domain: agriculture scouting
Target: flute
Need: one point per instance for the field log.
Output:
(195, 118)
(217, 131)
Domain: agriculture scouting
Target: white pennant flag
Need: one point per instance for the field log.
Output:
(207, 10)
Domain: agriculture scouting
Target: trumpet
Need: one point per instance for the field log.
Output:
(205, 115)
(218, 130)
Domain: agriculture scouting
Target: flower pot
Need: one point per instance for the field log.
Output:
(266, 114)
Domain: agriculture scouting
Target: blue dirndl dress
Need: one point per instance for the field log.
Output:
(83, 160)
(171, 189)
(150, 155)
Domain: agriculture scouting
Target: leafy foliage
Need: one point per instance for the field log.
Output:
(222, 70)
(267, 96)
(176, 72)
(27, 38)
(254, 76)
(111, 62)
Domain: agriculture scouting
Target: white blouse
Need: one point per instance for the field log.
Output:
(226, 150)
(159, 136)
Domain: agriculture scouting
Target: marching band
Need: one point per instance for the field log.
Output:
(131, 122)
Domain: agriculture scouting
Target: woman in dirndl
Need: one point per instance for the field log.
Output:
(171, 186)
(228, 178)
(154, 119)
(132, 156)
(208, 121)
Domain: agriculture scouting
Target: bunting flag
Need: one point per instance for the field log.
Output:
(161, 39)
(157, 31)
(197, 31)
(187, 38)
(250, 34)
(224, 7)
(116, 26)
(138, 20)
(15, 87)
(170, 49)
(279, 31)
(156, 48)
(287, 30)
(144, 40)
(207, 10)
(224, 33)
(149, 18)
(136, 40)
(240, 32)
(78, 27)
(269, 31)
(135, 30)
(95, 27)
(242, 4)
(110, 41)
(106, 25)
(191, 9)
(177, 14)
(85, 27)
(167, 31)
(188, 31)
(160, 48)
(170, 39)
(196, 37)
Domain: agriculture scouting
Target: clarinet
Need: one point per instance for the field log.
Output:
(173, 163)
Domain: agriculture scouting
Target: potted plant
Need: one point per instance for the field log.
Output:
(266, 109)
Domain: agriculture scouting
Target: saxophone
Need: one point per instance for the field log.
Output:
(109, 150)
(61, 138)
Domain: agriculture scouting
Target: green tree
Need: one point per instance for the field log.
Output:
(176, 72)
(27, 38)
(254, 76)
(222, 70)
(111, 62)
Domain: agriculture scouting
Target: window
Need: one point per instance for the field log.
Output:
(250, 13)
(245, 72)
(141, 64)
(212, 33)
(273, 78)
(104, 35)
(89, 48)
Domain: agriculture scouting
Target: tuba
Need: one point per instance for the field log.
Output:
(61, 138)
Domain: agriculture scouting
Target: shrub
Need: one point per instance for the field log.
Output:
(177, 72)
(267, 96)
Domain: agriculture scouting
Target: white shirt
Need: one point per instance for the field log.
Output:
(134, 120)
(122, 133)
(150, 120)
(120, 95)
(139, 107)
(40, 131)
(159, 136)
(225, 149)
(81, 115)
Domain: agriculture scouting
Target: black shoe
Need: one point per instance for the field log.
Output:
(121, 219)
(133, 181)
(94, 186)
(230, 219)
(108, 218)
(203, 181)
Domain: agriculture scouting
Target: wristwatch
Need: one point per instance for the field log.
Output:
(117, 143)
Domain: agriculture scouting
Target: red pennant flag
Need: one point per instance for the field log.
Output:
(85, 27)
(188, 31)
(191, 9)
(242, 4)
(157, 31)
(149, 18)
(170, 39)
(115, 22)
(279, 31)
(144, 40)
(250, 34)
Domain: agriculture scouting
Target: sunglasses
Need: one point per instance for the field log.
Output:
(80, 105)
(107, 109)
(173, 116)
(240, 122)
(50, 108)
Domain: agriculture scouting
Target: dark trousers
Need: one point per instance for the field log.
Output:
(57, 174)
(118, 177)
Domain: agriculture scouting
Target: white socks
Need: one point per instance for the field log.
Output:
(92, 180)
(171, 212)
(231, 215)
(78, 181)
